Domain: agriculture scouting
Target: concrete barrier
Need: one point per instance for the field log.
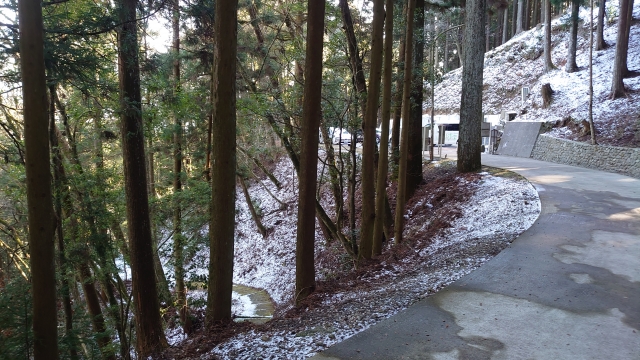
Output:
(519, 138)
(620, 160)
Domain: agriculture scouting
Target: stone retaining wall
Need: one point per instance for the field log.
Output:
(620, 160)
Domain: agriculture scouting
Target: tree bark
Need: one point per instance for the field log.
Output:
(548, 64)
(527, 16)
(487, 34)
(573, 38)
(514, 17)
(622, 46)
(414, 154)
(505, 25)
(369, 142)
(178, 237)
(311, 115)
(383, 160)
(600, 43)
(355, 60)
(61, 194)
(223, 194)
(254, 214)
(150, 336)
(406, 110)
(521, 14)
(93, 305)
(470, 139)
(397, 101)
(627, 33)
(592, 127)
(499, 31)
(39, 197)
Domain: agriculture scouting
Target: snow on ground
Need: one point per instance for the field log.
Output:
(497, 212)
(519, 62)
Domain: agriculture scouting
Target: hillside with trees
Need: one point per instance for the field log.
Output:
(520, 63)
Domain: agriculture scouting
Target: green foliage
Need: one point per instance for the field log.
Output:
(16, 335)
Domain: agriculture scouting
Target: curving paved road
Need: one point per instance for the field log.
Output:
(567, 288)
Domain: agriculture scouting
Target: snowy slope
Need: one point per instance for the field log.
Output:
(519, 62)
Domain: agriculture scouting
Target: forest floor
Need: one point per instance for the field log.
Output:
(455, 223)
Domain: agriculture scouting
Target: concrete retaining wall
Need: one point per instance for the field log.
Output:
(519, 138)
(606, 158)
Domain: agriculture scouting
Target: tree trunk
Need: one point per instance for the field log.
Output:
(354, 56)
(499, 31)
(352, 189)
(397, 100)
(600, 43)
(150, 336)
(39, 199)
(61, 194)
(406, 110)
(535, 17)
(178, 237)
(383, 160)
(514, 17)
(369, 142)
(505, 25)
(548, 64)
(487, 34)
(527, 16)
(445, 61)
(414, 155)
(254, 214)
(573, 38)
(93, 305)
(221, 228)
(627, 33)
(334, 174)
(622, 46)
(520, 20)
(470, 139)
(592, 127)
(311, 115)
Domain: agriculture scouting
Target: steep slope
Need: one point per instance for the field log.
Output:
(519, 63)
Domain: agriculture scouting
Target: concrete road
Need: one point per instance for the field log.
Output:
(567, 288)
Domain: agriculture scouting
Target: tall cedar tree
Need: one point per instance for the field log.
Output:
(573, 37)
(369, 142)
(519, 21)
(60, 196)
(406, 109)
(470, 139)
(548, 64)
(383, 160)
(39, 197)
(178, 237)
(397, 99)
(223, 163)
(414, 154)
(600, 43)
(149, 332)
(622, 46)
(311, 114)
